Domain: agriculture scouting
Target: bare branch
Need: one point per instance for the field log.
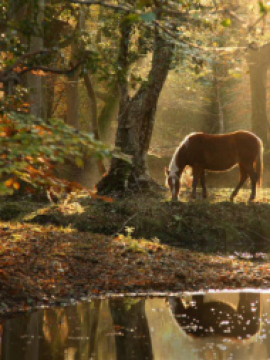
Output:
(196, 46)
(159, 8)
(251, 27)
(242, 21)
(53, 70)
(4, 73)
(101, 3)
(184, 14)
(158, 5)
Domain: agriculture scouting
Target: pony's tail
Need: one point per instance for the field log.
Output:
(259, 164)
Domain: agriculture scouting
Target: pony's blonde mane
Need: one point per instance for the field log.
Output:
(173, 167)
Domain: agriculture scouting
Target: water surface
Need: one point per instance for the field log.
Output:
(227, 325)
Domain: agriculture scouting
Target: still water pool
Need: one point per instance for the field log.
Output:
(219, 325)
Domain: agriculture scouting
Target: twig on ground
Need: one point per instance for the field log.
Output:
(125, 223)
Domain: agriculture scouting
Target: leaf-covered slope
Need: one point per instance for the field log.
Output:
(209, 226)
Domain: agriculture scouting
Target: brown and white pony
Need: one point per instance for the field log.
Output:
(206, 152)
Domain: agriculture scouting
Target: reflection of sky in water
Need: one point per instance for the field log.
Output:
(217, 326)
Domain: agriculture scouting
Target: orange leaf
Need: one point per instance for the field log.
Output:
(16, 185)
(39, 72)
(9, 182)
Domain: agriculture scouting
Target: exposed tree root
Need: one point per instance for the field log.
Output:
(112, 183)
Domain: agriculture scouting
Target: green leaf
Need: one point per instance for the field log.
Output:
(263, 8)
(226, 22)
(237, 75)
(149, 17)
(131, 19)
(5, 190)
(143, 3)
(79, 162)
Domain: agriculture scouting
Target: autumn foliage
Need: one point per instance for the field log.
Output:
(31, 150)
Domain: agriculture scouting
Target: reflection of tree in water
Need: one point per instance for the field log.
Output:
(217, 318)
(132, 339)
(55, 327)
(1, 336)
(71, 331)
(21, 338)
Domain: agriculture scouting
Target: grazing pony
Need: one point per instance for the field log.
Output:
(206, 152)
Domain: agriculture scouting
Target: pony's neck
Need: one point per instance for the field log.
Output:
(176, 166)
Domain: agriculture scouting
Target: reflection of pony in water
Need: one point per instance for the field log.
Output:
(206, 152)
(217, 318)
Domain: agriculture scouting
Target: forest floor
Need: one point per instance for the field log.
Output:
(50, 254)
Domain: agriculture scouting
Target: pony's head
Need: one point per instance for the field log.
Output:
(173, 182)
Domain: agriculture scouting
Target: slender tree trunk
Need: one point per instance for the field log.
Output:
(94, 117)
(70, 170)
(259, 122)
(83, 175)
(36, 83)
(72, 91)
(136, 119)
(93, 123)
(108, 114)
(258, 61)
(50, 95)
(221, 120)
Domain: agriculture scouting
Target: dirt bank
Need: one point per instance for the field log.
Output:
(51, 254)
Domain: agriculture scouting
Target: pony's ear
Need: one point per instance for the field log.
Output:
(167, 171)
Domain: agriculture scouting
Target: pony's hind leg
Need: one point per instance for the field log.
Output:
(243, 178)
(204, 191)
(253, 178)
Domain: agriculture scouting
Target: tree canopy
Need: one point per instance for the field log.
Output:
(120, 50)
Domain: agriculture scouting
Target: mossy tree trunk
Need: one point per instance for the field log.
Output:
(136, 117)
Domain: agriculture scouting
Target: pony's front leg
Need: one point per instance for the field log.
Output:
(194, 183)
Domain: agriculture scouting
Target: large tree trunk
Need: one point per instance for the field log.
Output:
(136, 121)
